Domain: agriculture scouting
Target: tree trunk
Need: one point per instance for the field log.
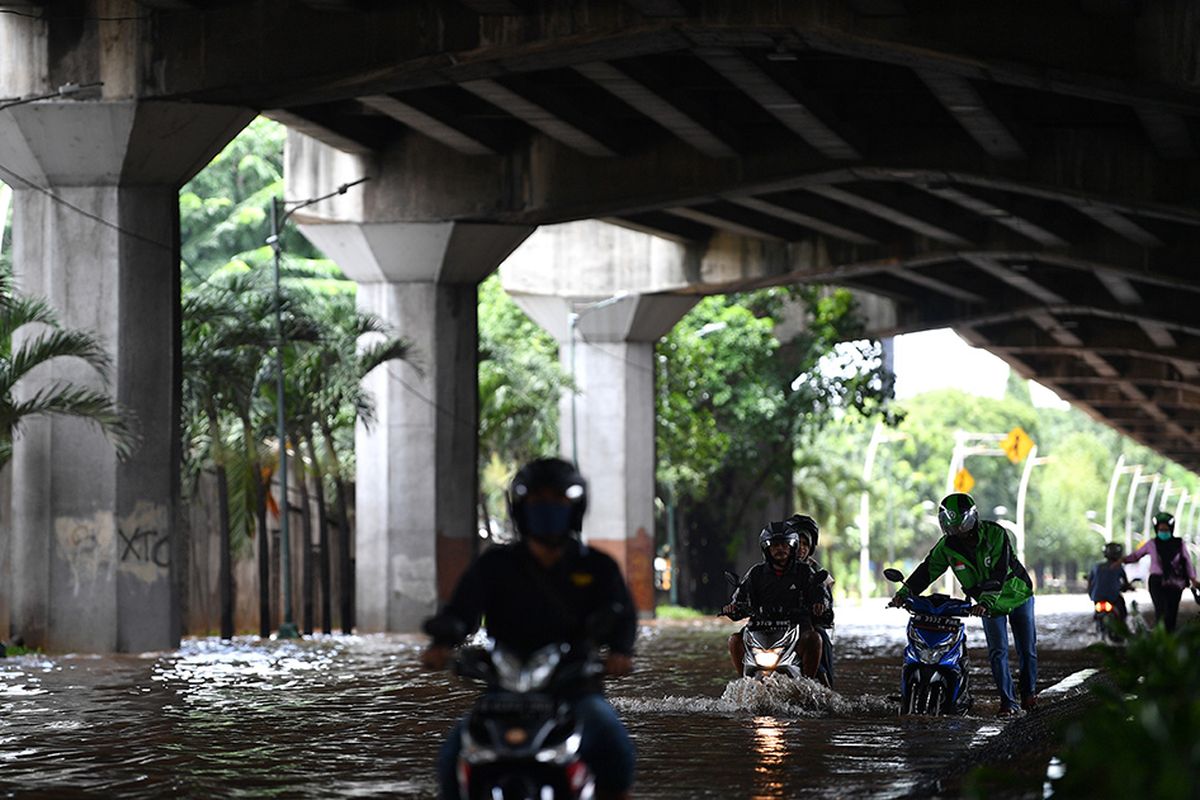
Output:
(322, 539)
(260, 515)
(306, 606)
(345, 572)
(224, 545)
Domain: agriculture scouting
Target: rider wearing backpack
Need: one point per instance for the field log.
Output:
(1171, 568)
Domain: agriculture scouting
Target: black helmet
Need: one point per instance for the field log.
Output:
(1165, 518)
(777, 532)
(958, 515)
(806, 527)
(562, 478)
(1114, 550)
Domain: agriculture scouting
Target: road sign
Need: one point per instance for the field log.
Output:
(963, 481)
(1016, 445)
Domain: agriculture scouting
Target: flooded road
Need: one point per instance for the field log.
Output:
(355, 717)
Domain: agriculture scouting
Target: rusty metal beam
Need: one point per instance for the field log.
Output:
(967, 106)
(537, 117)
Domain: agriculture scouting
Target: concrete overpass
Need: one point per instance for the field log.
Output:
(1024, 174)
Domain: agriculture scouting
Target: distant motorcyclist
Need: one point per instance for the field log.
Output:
(1107, 580)
(784, 580)
(1171, 568)
(981, 556)
(547, 588)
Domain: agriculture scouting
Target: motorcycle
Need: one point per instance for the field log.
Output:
(772, 636)
(1110, 619)
(935, 678)
(521, 740)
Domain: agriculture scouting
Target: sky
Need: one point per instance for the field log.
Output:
(922, 363)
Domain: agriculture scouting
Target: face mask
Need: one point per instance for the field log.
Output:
(547, 520)
(1164, 535)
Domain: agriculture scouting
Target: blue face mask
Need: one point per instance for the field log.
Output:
(1164, 534)
(547, 520)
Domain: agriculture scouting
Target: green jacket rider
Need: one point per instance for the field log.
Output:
(989, 572)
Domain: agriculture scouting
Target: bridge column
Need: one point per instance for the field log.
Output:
(608, 427)
(96, 233)
(417, 464)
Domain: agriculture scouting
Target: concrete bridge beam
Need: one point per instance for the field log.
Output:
(96, 233)
(416, 479)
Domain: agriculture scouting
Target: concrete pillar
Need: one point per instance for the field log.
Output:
(608, 427)
(96, 232)
(417, 464)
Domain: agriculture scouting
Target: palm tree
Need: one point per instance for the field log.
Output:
(328, 380)
(61, 397)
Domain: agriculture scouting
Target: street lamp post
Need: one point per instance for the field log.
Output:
(878, 437)
(287, 628)
(1032, 460)
(1119, 470)
(1137, 480)
(1150, 502)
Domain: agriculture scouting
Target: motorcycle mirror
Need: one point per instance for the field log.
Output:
(820, 576)
(733, 580)
(893, 575)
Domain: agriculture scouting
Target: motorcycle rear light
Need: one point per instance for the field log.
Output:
(576, 775)
(464, 776)
(1103, 606)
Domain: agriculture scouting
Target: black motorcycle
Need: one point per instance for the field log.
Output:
(521, 740)
(772, 635)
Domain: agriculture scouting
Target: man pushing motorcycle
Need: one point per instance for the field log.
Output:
(786, 579)
(981, 557)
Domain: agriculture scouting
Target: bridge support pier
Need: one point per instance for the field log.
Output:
(608, 427)
(96, 233)
(417, 463)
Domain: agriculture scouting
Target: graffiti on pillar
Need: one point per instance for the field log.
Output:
(86, 544)
(415, 579)
(144, 542)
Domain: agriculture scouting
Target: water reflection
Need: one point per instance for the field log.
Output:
(770, 750)
(349, 716)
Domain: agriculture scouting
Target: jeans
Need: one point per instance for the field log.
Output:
(606, 748)
(1024, 631)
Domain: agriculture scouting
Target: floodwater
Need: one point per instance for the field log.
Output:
(355, 717)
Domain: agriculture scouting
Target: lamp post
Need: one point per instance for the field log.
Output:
(1118, 470)
(878, 437)
(1138, 480)
(279, 216)
(1150, 502)
(1032, 460)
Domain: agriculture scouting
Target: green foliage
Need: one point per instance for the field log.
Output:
(678, 612)
(19, 356)
(520, 382)
(1143, 739)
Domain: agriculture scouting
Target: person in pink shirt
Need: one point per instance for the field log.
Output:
(1171, 569)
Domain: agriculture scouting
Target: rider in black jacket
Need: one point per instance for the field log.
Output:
(784, 581)
(547, 588)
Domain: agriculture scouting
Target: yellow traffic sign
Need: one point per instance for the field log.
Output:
(1016, 445)
(963, 481)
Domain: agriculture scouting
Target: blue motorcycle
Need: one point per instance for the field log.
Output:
(935, 679)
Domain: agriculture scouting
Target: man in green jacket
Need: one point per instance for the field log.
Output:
(981, 556)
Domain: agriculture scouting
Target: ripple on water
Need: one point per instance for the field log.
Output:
(777, 694)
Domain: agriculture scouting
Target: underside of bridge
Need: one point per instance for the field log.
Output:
(1026, 175)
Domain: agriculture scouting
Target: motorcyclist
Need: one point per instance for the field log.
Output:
(547, 588)
(784, 579)
(981, 557)
(1107, 580)
(1171, 568)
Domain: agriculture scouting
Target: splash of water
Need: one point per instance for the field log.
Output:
(777, 695)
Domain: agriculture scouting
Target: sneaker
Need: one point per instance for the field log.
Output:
(1008, 711)
(1029, 703)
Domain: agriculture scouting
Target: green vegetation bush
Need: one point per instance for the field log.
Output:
(1143, 739)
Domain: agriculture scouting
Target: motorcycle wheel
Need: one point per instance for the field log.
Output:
(933, 701)
(920, 698)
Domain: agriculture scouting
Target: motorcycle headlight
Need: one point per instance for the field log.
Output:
(562, 752)
(767, 659)
(932, 652)
(525, 676)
